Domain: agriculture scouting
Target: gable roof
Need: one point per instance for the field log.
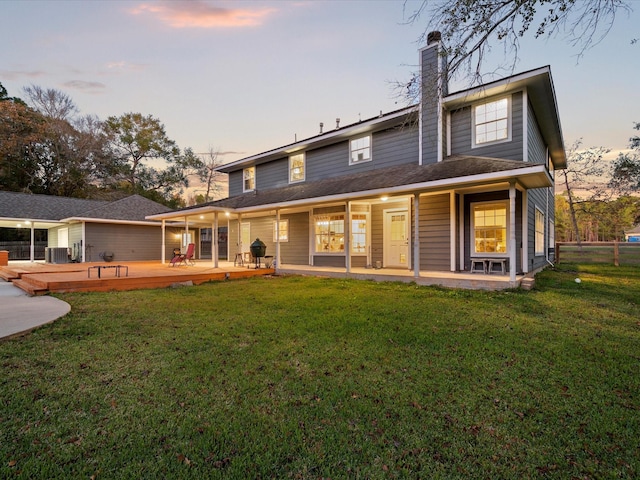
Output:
(49, 210)
(454, 171)
(541, 95)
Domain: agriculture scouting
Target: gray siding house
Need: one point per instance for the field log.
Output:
(460, 182)
(88, 228)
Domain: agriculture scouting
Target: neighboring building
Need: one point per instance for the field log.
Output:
(441, 186)
(87, 228)
(633, 235)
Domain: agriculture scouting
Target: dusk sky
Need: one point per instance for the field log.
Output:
(245, 77)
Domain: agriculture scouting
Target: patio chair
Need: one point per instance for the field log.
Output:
(185, 258)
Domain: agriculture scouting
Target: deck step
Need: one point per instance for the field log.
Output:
(29, 287)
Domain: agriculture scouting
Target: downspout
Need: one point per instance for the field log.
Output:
(512, 233)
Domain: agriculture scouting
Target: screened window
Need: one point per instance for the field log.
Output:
(249, 179)
(359, 233)
(490, 228)
(329, 233)
(296, 168)
(281, 231)
(539, 242)
(491, 122)
(360, 149)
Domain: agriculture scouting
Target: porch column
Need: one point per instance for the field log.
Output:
(214, 240)
(239, 242)
(32, 247)
(276, 262)
(162, 254)
(186, 230)
(512, 233)
(525, 232)
(83, 242)
(452, 230)
(416, 235)
(347, 235)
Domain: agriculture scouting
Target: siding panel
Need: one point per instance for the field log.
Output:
(435, 236)
(461, 140)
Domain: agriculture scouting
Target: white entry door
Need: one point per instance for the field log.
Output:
(396, 238)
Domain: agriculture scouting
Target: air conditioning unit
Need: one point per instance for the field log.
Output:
(59, 255)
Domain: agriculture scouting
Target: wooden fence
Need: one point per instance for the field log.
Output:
(616, 253)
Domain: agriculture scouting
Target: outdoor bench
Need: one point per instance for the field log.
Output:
(117, 269)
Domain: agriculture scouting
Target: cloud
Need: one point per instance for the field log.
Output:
(17, 74)
(88, 87)
(198, 14)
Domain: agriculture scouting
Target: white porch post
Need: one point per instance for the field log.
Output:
(214, 240)
(32, 247)
(162, 254)
(276, 262)
(512, 233)
(186, 230)
(416, 235)
(83, 241)
(452, 230)
(239, 243)
(525, 232)
(347, 235)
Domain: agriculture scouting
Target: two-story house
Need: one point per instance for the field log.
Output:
(461, 182)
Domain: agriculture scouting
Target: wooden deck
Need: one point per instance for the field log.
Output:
(42, 278)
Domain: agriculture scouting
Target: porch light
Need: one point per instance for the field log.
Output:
(384, 198)
(227, 214)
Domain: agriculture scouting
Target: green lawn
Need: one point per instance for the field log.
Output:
(301, 377)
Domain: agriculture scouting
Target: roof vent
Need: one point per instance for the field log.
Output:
(321, 126)
(337, 123)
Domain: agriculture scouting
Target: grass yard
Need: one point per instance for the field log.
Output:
(305, 378)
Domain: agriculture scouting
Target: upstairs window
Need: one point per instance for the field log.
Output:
(249, 176)
(360, 150)
(296, 168)
(491, 122)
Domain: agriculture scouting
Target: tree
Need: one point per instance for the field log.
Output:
(626, 169)
(582, 179)
(69, 147)
(21, 130)
(145, 158)
(209, 175)
(468, 27)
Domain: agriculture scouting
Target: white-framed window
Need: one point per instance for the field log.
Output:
(296, 168)
(492, 122)
(539, 240)
(359, 233)
(552, 234)
(329, 233)
(281, 231)
(360, 150)
(249, 179)
(489, 229)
